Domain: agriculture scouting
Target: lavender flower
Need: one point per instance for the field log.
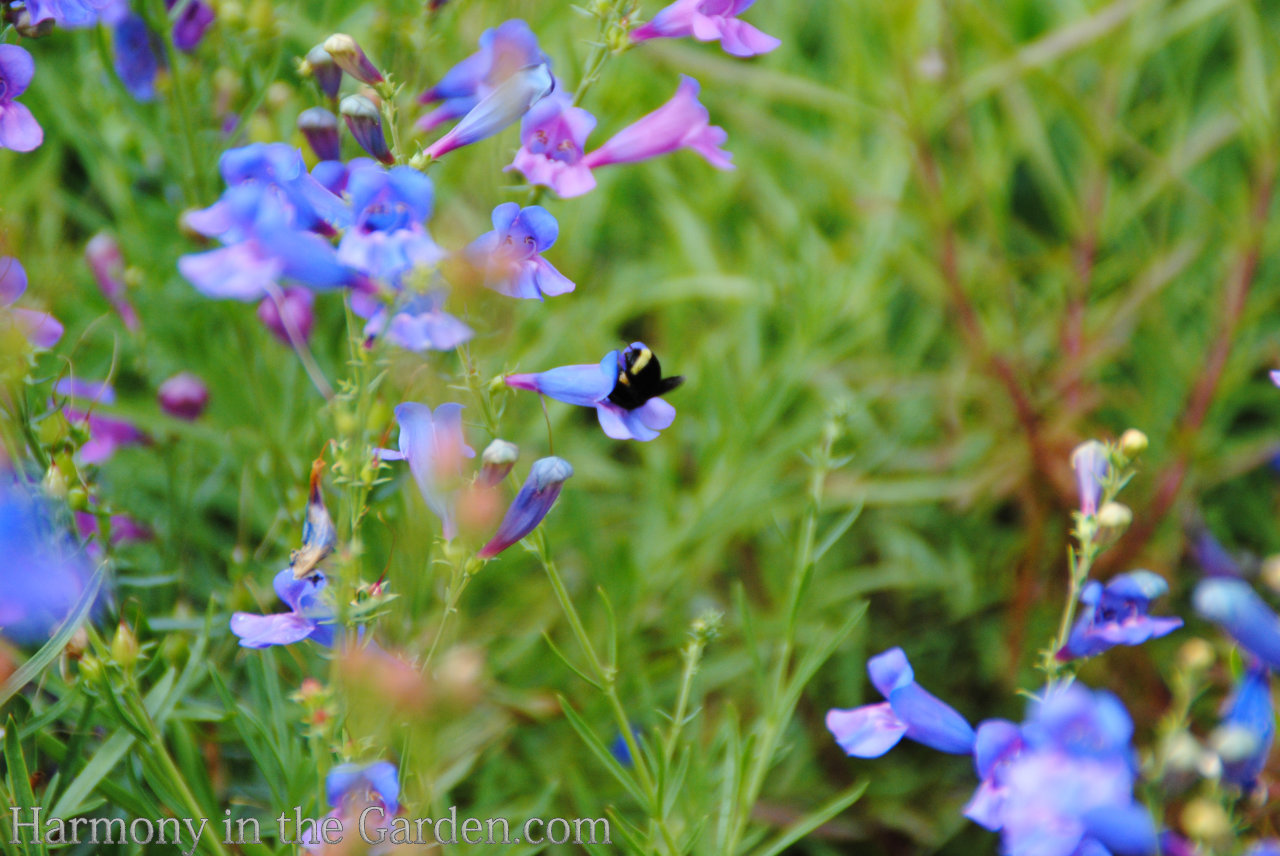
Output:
(388, 209)
(433, 446)
(43, 574)
(503, 50)
(134, 48)
(708, 21)
(910, 711)
(1232, 604)
(19, 130)
(1248, 727)
(418, 324)
(353, 790)
(184, 396)
(106, 433)
(1117, 615)
(39, 328)
(189, 28)
(552, 136)
(504, 106)
(538, 493)
(623, 388)
(308, 616)
(1089, 460)
(69, 13)
(510, 255)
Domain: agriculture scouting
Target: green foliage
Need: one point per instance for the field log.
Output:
(961, 236)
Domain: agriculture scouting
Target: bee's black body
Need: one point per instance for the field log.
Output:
(640, 379)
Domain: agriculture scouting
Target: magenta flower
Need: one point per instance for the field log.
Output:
(431, 442)
(623, 388)
(552, 136)
(708, 21)
(189, 28)
(19, 130)
(510, 255)
(681, 123)
(539, 492)
(40, 328)
(308, 616)
(290, 307)
(184, 395)
(104, 258)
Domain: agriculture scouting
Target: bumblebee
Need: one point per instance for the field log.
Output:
(640, 378)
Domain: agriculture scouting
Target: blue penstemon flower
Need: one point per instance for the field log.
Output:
(511, 255)
(624, 388)
(1116, 614)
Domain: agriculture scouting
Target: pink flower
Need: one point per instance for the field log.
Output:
(708, 21)
(552, 136)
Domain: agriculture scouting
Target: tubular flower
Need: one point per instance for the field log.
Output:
(552, 136)
(1233, 606)
(708, 21)
(1116, 614)
(291, 307)
(39, 328)
(105, 259)
(623, 388)
(364, 121)
(431, 442)
(511, 257)
(681, 123)
(503, 51)
(44, 573)
(348, 54)
(910, 711)
(19, 130)
(1063, 784)
(1243, 740)
(538, 493)
(308, 616)
(504, 106)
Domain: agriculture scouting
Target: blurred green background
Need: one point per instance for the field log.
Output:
(972, 234)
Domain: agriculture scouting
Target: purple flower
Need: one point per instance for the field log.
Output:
(910, 711)
(1232, 605)
(280, 166)
(363, 782)
(327, 73)
(418, 324)
(1211, 556)
(623, 388)
(43, 574)
(1062, 784)
(69, 13)
(503, 50)
(552, 136)
(388, 208)
(289, 308)
(511, 257)
(1089, 460)
(308, 616)
(40, 328)
(190, 27)
(134, 46)
(184, 395)
(1243, 740)
(19, 130)
(505, 105)
(364, 121)
(106, 433)
(123, 528)
(104, 257)
(681, 123)
(433, 446)
(708, 21)
(1117, 615)
(320, 127)
(538, 493)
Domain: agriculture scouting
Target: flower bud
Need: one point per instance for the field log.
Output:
(496, 461)
(320, 127)
(124, 647)
(1089, 460)
(1115, 515)
(184, 395)
(536, 496)
(365, 123)
(1195, 655)
(291, 310)
(1205, 820)
(348, 54)
(325, 70)
(1133, 443)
